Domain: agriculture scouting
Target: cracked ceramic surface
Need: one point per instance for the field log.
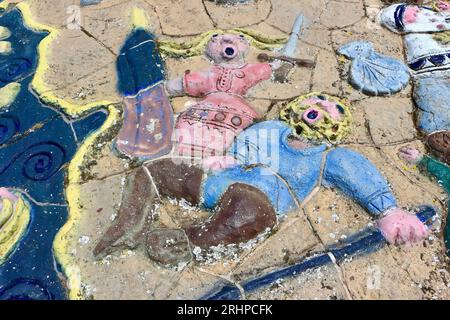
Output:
(96, 177)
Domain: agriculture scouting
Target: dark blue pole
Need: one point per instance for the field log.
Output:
(365, 242)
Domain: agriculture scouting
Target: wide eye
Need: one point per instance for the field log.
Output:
(312, 115)
(242, 36)
(215, 35)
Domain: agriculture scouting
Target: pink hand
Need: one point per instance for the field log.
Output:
(410, 154)
(444, 6)
(400, 227)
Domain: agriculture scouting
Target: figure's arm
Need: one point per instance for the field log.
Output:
(359, 179)
(194, 84)
(277, 69)
(282, 65)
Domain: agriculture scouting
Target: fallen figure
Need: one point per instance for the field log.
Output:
(278, 165)
(247, 173)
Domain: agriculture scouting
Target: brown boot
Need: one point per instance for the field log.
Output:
(137, 202)
(439, 145)
(243, 213)
(180, 181)
(169, 247)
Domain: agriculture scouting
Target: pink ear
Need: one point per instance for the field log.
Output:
(331, 108)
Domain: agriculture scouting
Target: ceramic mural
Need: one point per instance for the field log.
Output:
(428, 58)
(172, 154)
(247, 177)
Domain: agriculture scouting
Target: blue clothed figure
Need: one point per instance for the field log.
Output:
(288, 175)
(427, 54)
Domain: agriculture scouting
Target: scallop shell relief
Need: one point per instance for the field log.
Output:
(373, 73)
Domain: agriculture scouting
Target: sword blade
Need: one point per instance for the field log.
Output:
(291, 45)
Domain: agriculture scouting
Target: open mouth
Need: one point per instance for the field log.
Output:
(229, 52)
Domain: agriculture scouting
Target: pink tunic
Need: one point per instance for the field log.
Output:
(209, 128)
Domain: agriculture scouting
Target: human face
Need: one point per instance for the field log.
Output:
(228, 48)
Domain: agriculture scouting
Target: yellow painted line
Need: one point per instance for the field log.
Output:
(62, 241)
(15, 220)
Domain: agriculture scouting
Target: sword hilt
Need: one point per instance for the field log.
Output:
(264, 57)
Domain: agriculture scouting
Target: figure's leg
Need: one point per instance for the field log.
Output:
(137, 201)
(179, 181)
(243, 212)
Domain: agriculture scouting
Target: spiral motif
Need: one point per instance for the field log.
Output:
(25, 289)
(43, 161)
(13, 69)
(9, 126)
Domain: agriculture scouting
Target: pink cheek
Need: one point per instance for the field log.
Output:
(332, 111)
(215, 49)
(411, 14)
(312, 115)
